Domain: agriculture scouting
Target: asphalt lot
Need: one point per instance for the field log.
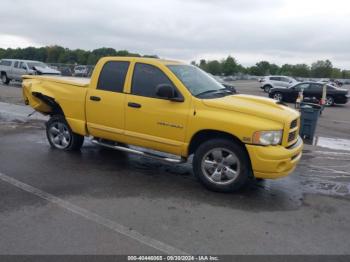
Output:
(100, 201)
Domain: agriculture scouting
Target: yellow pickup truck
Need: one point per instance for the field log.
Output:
(169, 107)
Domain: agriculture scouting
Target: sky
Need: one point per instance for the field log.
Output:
(280, 31)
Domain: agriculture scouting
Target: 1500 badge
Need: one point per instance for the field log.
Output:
(170, 125)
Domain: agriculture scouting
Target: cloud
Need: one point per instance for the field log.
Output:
(283, 31)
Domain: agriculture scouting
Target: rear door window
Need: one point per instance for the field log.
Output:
(316, 87)
(112, 76)
(16, 64)
(302, 87)
(5, 63)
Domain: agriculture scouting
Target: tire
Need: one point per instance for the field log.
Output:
(278, 96)
(221, 165)
(61, 136)
(329, 101)
(4, 79)
(267, 88)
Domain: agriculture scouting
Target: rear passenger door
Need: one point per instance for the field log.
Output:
(14, 70)
(276, 81)
(306, 88)
(285, 82)
(105, 104)
(21, 70)
(316, 90)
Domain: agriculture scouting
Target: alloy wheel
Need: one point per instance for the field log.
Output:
(221, 166)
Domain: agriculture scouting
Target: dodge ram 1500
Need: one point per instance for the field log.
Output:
(174, 108)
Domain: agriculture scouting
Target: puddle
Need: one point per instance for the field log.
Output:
(333, 143)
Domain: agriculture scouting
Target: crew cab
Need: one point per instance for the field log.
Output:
(14, 69)
(174, 108)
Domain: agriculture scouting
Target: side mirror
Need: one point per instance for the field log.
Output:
(168, 92)
(24, 67)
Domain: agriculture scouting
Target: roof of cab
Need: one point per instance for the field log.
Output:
(21, 60)
(143, 59)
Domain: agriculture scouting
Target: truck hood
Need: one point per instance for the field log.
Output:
(46, 70)
(254, 105)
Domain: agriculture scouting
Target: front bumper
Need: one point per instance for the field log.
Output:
(274, 161)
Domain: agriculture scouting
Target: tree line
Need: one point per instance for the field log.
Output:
(58, 54)
(228, 66)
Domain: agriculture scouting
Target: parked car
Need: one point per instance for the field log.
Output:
(14, 69)
(173, 108)
(269, 82)
(81, 70)
(311, 90)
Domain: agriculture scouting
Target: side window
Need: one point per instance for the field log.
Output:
(6, 63)
(16, 64)
(329, 88)
(302, 87)
(275, 78)
(284, 79)
(316, 87)
(146, 79)
(112, 76)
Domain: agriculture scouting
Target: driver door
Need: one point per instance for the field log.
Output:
(150, 121)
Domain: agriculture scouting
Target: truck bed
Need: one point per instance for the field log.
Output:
(75, 81)
(50, 94)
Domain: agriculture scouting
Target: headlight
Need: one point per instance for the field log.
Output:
(267, 138)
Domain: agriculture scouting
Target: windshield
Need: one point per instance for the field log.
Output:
(31, 65)
(196, 80)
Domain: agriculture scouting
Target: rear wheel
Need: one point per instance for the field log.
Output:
(329, 101)
(267, 88)
(221, 165)
(61, 136)
(5, 80)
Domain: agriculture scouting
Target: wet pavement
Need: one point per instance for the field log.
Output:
(304, 213)
(110, 197)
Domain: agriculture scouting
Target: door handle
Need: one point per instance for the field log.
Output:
(135, 105)
(95, 98)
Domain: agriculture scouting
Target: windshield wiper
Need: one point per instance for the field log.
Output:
(216, 91)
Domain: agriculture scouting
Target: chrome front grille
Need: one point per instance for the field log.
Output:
(294, 124)
(292, 136)
(292, 133)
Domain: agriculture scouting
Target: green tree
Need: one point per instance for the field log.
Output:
(203, 65)
(322, 68)
(214, 67)
(301, 70)
(92, 59)
(336, 73)
(345, 74)
(229, 66)
(53, 53)
(264, 68)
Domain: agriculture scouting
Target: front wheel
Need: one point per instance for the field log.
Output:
(221, 165)
(61, 136)
(278, 96)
